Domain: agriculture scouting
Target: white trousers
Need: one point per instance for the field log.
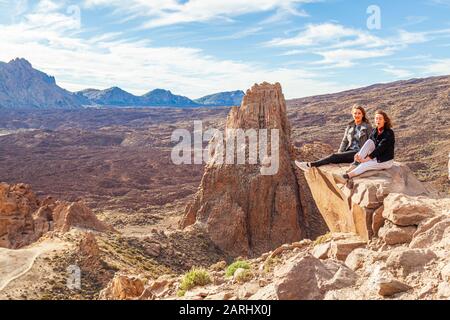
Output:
(367, 149)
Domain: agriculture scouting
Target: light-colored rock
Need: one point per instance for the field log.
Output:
(267, 293)
(306, 270)
(351, 210)
(435, 231)
(220, 296)
(357, 258)
(445, 272)
(244, 211)
(444, 290)
(409, 260)
(304, 277)
(377, 220)
(248, 289)
(123, 287)
(393, 234)
(405, 210)
(343, 278)
(389, 286)
(340, 249)
(321, 251)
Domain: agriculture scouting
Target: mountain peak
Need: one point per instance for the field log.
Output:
(21, 62)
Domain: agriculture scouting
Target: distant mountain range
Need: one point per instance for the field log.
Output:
(21, 86)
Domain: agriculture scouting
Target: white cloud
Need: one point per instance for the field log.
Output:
(341, 46)
(345, 57)
(438, 67)
(328, 34)
(397, 72)
(56, 47)
(170, 12)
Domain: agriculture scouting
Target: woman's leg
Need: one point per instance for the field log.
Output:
(370, 165)
(342, 157)
(367, 149)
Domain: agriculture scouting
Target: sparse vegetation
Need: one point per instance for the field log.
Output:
(236, 265)
(195, 277)
(322, 239)
(219, 266)
(244, 276)
(270, 263)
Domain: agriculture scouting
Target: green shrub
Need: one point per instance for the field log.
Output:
(270, 263)
(244, 276)
(195, 277)
(236, 265)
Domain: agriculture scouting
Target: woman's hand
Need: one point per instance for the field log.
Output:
(357, 158)
(364, 160)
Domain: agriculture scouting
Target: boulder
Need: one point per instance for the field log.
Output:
(445, 272)
(409, 260)
(357, 258)
(407, 210)
(340, 249)
(304, 277)
(434, 232)
(244, 208)
(350, 208)
(389, 286)
(444, 290)
(393, 234)
(123, 287)
(306, 270)
(321, 251)
(67, 215)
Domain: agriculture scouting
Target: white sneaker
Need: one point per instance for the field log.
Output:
(302, 165)
(338, 178)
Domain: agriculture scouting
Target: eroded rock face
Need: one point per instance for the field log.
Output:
(17, 204)
(24, 218)
(352, 209)
(76, 214)
(243, 211)
(123, 287)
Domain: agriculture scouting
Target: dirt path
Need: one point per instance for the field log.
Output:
(16, 263)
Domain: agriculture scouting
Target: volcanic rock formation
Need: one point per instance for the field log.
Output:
(24, 218)
(244, 211)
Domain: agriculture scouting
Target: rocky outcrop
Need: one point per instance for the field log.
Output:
(24, 218)
(354, 208)
(243, 210)
(17, 205)
(123, 287)
(67, 215)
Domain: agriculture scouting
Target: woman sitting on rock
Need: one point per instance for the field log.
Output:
(377, 153)
(355, 136)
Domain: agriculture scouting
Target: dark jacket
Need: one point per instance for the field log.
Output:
(384, 145)
(349, 135)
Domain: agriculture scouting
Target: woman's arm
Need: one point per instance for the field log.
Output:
(384, 144)
(344, 142)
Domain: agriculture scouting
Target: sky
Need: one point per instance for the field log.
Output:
(199, 47)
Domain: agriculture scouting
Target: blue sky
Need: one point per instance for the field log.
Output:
(197, 47)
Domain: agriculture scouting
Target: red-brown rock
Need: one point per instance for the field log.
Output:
(243, 211)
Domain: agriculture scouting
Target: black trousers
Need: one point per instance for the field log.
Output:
(341, 157)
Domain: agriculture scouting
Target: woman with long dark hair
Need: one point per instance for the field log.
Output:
(356, 134)
(378, 152)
